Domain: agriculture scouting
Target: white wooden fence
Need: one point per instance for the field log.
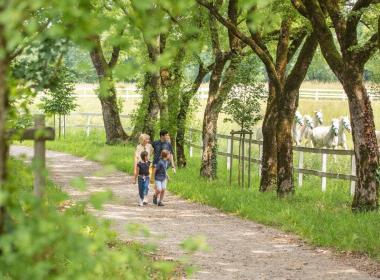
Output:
(300, 169)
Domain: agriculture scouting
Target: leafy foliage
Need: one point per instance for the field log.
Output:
(243, 102)
(58, 98)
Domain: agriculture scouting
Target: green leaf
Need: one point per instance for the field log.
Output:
(99, 198)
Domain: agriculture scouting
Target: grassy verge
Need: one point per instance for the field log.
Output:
(56, 239)
(323, 219)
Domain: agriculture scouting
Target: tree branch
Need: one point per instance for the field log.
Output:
(114, 56)
(299, 6)
(325, 37)
(268, 62)
(298, 73)
(353, 19)
(337, 19)
(296, 43)
(364, 53)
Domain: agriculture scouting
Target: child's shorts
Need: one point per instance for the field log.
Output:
(161, 185)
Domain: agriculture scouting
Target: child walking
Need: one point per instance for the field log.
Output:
(161, 176)
(142, 173)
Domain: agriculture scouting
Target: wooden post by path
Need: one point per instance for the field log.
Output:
(249, 159)
(243, 161)
(39, 157)
(40, 133)
(232, 155)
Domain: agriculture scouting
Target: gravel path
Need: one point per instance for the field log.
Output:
(239, 249)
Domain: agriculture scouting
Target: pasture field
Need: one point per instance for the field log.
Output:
(330, 108)
(323, 219)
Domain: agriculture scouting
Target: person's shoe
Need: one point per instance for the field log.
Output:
(141, 203)
(154, 199)
(145, 203)
(160, 204)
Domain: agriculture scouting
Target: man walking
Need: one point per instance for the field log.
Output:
(159, 146)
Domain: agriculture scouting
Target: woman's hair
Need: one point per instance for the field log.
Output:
(143, 137)
(144, 155)
(164, 154)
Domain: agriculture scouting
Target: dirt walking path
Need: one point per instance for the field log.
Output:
(239, 249)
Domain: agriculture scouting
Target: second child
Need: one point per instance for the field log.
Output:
(142, 173)
(161, 176)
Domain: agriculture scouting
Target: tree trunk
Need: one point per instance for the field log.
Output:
(183, 113)
(269, 156)
(216, 97)
(4, 148)
(181, 131)
(111, 118)
(365, 143)
(147, 109)
(107, 95)
(286, 112)
(59, 126)
(151, 117)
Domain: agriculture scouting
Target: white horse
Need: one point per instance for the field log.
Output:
(318, 118)
(344, 125)
(298, 123)
(326, 136)
(296, 131)
(307, 130)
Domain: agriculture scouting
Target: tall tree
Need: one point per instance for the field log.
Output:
(284, 83)
(107, 91)
(346, 55)
(219, 86)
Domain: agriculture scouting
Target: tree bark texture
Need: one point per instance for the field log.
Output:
(269, 155)
(365, 143)
(217, 96)
(4, 105)
(107, 95)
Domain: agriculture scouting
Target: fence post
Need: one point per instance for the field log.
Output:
(228, 153)
(39, 157)
(353, 172)
(232, 155)
(324, 168)
(190, 143)
(300, 166)
(88, 125)
(249, 159)
(260, 157)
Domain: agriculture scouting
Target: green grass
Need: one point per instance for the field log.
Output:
(322, 219)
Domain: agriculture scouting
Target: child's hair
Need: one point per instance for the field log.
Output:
(144, 155)
(164, 154)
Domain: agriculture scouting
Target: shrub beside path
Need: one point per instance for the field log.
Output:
(239, 249)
